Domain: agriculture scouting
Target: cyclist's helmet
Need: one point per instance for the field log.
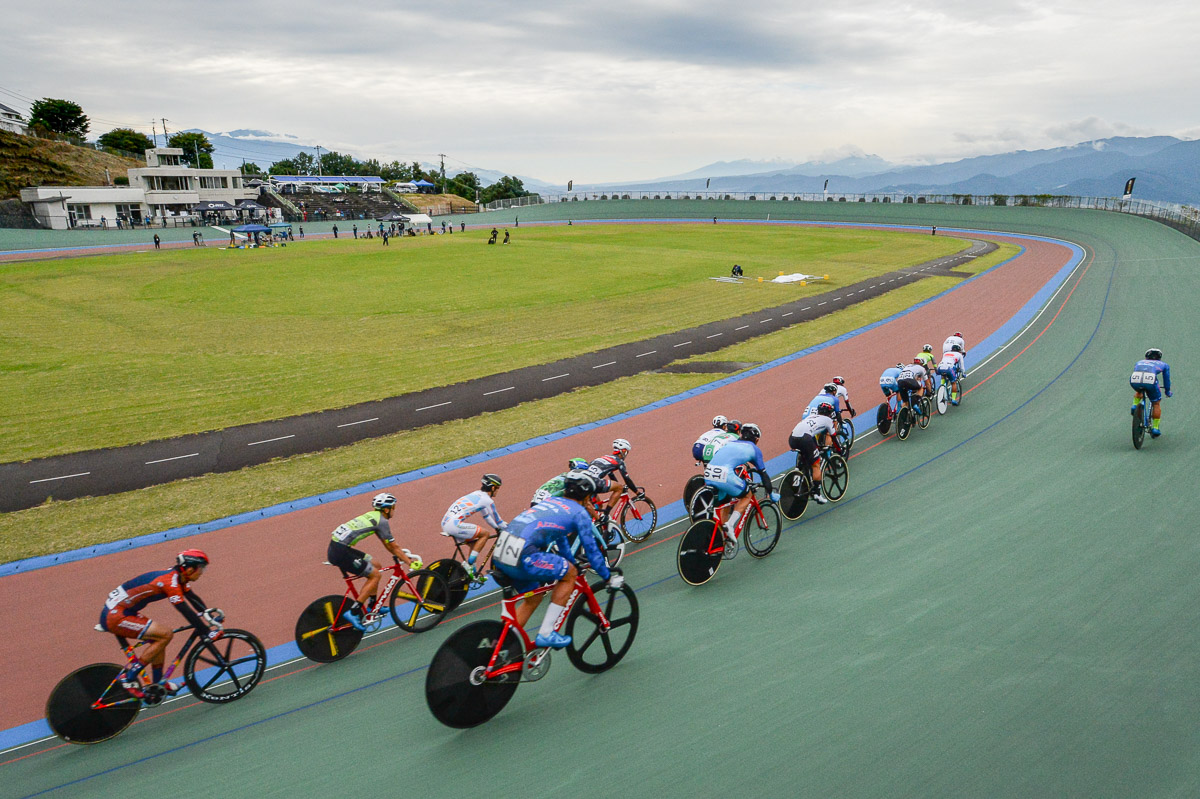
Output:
(750, 432)
(733, 426)
(579, 485)
(927, 348)
(825, 409)
(829, 388)
(621, 447)
(1154, 354)
(839, 381)
(918, 362)
(490, 481)
(577, 463)
(899, 366)
(190, 559)
(719, 421)
(382, 501)
(956, 348)
(957, 334)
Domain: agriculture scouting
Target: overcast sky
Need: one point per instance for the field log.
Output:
(621, 90)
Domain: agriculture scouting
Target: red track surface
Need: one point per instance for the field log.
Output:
(265, 572)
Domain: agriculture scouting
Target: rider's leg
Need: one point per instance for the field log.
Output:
(739, 508)
(370, 588)
(477, 544)
(154, 653)
(1155, 414)
(558, 604)
(526, 608)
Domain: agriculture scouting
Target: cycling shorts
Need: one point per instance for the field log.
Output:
(698, 451)
(806, 445)
(725, 482)
(349, 559)
(460, 531)
(125, 626)
(948, 372)
(908, 384)
(887, 387)
(1151, 390)
(534, 570)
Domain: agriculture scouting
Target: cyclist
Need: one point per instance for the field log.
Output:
(829, 393)
(454, 522)
(554, 486)
(712, 440)
(522, 554)
(843, 395)
(721, 476)
(121, 616)
(926, 356)
(341, 553)
(887, 380)
(912, 378)
(950, 367)
(604, 466)
(950, 341)
(1144, 380)
(814, 432)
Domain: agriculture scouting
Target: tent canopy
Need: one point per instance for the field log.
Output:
(252, 229)
(421, 182)
(249, 205)
(213, 205)
(393, 217)
(420, 219)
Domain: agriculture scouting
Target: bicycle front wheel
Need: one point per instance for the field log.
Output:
(694, 484)
(925, 413)
(455, 689)
(761, 531)
(226, 669)
(845, 435)
(321, 632)
(456, 579)
(700, 551)
(89, 705)
(592, 650)
(703, 504)
(420, 602)
(835, 476)
(639, 518)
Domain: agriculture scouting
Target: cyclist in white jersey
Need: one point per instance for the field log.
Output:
(712, 440)
(843, 395)
(951, 367)
(454, 523)
(949, 343)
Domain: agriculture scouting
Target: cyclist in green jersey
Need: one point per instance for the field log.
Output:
(342, 553)
(554, 486)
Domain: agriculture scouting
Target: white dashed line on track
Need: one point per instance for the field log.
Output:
(806, 308)
(269, 440)
(176, 458)
(644, 354)
(364, 421)
(789, 313)
(683, 344)
(714, 335)
(440, 404)
(60, 477)
(564, 374)
(610, 363)
(497, 391)
(819, 304)
(743, 327)
(768, 319)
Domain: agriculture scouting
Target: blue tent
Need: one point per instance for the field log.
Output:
(252, 229)
(421, 183)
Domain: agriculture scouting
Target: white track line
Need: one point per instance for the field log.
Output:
(497, 391)
(440, 404)
(362, 421)
(610, 363)
(176, 458)
(269, 440)
(60, 477)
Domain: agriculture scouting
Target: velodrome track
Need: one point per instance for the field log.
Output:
(1002, 605)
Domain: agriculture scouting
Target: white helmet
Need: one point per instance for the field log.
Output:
(719, 421)
(382, 501)
(621, 446)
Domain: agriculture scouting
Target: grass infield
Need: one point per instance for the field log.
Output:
(116, 350)
(60, 526)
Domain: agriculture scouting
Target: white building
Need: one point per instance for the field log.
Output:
(12, 121)
(165, 187)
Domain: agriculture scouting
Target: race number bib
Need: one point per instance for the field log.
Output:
(718, 474)
(115, 597)
(1143, 378)
(509, 548)
(594, 471)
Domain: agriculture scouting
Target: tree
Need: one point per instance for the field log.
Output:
(125, 139)
(464, 184)
(251, 168)
(335, 163)
(304, 163)
(503, 189)
(59, 116)
(285, 166)
(197, 149)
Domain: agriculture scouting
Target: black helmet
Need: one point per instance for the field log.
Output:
(1154, 354)
(956, 348)
(829, 388)
(579, 485)
(733, 426)
(490, 481)
(750, 432)
(825, 409)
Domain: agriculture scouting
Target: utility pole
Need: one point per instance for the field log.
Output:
(443, 157)
(318, 160)
(154, 131)
(165, 141)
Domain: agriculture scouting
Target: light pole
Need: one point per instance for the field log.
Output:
(318, 160)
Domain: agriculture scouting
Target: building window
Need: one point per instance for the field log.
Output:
(129, 211)
(78, 213)
(213, 182)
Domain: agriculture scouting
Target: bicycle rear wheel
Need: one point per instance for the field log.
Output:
(904, 423)
(793, 493)
(591, 650)
(226, 669)
(71, 708)
(943, 399)
(883, 422)
(639, 518)
(835, 476)
(1139, 427)
(455, 690)
(457, 582)
(761, 532)
(700, 551)
(321, 632)
(703, 504)
(420, 602)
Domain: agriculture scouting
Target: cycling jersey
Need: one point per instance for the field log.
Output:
(551, 488)
(721, 475)
(951, 364)
(832, 399)
(913, 372)
(1145, 378)
(927, 357)
(358, 528)
(887, 380)
(708, 444)
(523, 550)
(843, 395)
(950, 341)
(121, 614)
(475, 502)
(813, 426)
(605, 465)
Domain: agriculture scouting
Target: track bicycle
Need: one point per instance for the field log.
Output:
(636, 517)
(702, 547)
(417, 602)
(455, 574)
(797, 486)
(1143, 420)
(916, 410)
(91, 705)
(948, 393)
(476, 671)
(887, 412)
(845, 431)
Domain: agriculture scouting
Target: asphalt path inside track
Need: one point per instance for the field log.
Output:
(114, 470)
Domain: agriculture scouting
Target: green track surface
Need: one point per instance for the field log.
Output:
(1004, 605)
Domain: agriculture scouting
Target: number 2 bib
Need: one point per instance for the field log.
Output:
(509, 548)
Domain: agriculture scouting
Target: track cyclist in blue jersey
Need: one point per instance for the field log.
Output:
(523, 553)
(829, 393)
(721, 476)
(1144, 380)
(888, 381)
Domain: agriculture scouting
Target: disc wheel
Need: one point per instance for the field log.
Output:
(835, 476)
(882, 422)
(793, 494)
(457, 582)
(694, 484)
(591, 650)
(423, 608)
(1139, 428)
(700, 551)
(703, 504)
(321, 632)
(943, 399)
(454, 689)
(71, 708)
(926, 411)
(761, 532)
(904, 422)
(226, 669)
(639, 518)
